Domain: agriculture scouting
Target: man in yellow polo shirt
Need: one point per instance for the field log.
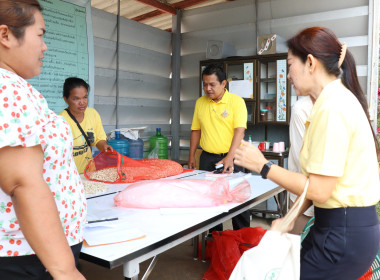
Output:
(219, 123)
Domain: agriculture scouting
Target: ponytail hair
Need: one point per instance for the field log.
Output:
(325, 46)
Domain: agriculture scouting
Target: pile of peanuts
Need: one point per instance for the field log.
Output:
(105, 175)
(94, 187)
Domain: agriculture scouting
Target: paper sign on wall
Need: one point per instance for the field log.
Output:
(243, 88)
(281, 90)
(248, 71)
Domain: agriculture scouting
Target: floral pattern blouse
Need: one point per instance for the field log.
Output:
(26, 120)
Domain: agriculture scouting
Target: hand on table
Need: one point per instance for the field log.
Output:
(228, 163)
(191, 163)
(250, 157)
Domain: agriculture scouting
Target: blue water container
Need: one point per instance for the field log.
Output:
(136, 148)
(120, 145)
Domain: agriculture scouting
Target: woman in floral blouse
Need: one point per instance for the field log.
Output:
(42, 202)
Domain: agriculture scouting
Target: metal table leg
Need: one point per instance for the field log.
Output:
(150, 268)
(195, 247)
(204, 246)
(131, 270)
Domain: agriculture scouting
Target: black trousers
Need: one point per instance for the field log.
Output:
(29, 267)
(342, 244)
(207, 162)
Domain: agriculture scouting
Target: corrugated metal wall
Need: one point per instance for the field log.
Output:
(237, 23)
(144, 77)
(145, 55)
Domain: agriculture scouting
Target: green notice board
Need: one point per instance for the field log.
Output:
(68, 54)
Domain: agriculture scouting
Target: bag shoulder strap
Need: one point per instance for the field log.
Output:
(294, 211)
(80, 128)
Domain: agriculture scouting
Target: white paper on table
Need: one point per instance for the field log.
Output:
(102, 213)
(102, 235)
(195, 210)
(243, 88)
(107, 224)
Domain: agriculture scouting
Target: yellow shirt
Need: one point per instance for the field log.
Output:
(92, 126)
(338, 142)
(217, 121)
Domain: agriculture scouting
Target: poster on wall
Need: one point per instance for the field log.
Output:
(70, 49)
(281, 90)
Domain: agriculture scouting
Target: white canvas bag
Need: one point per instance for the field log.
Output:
(277, 257)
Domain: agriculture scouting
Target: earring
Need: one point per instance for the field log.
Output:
(310, 69)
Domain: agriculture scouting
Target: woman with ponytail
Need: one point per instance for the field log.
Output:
(339, 157)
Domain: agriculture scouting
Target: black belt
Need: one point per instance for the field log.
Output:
(215, 155)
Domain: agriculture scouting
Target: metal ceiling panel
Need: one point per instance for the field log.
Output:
(133, 9)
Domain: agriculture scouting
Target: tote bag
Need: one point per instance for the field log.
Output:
(277, 257)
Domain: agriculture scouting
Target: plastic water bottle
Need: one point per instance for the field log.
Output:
(162, 144)
(119, 145)
(250, 139)
(136, 148)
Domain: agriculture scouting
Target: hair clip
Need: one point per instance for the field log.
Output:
(342, 54)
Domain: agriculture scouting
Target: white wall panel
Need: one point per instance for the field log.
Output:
(190, 88)
(196, 41)
(187, 114)
(104, 24)
(144, 76)
(213, 17)
(132, 59)
(190, 65)
(139, 60)
(104, 53)
(358, 26)
(105, 84)
(360, 55)
(132, 84)
(235, 23)
(271, 9)
(144, 86)
(145, 52)
(131, 32)
(134, 110)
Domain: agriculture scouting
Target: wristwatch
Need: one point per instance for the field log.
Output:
(265, 170)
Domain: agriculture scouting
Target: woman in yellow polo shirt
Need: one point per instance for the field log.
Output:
(85, 122)
(339, 157)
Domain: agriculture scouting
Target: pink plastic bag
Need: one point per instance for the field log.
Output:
(182, 193)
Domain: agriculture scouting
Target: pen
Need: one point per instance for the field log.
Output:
(102, 220)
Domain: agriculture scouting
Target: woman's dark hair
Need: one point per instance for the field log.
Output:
(73, 82)
(215, 69)
(325, 46)
(18, 14)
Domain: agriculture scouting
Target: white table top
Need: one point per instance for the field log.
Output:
(163, 227)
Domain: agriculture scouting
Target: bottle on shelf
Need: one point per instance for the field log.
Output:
(120, 145)
(270, 116)
(264, 115)
(250, 139)
(162, 144)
